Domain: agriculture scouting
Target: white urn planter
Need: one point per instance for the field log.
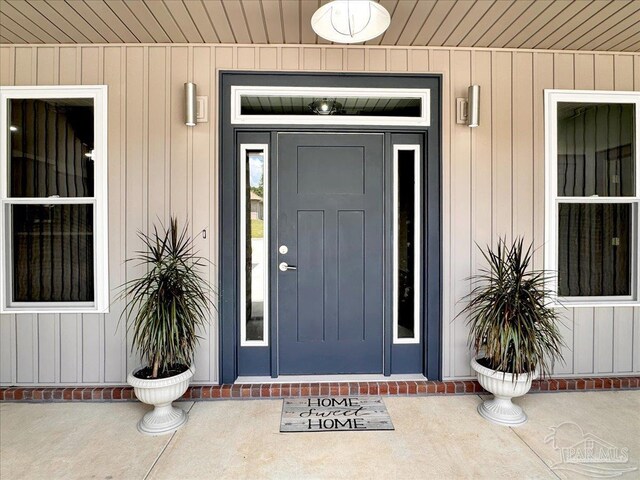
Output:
(500, 409)
(161, 392)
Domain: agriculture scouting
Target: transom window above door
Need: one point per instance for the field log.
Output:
(328, 105)
(592, 165)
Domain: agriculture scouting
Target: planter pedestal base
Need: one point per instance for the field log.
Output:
(502, 411)
(162, 419)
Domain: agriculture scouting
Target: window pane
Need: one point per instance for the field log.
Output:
(406, 244)
(52, 253)
(51, 147)
(596, 148)
(344, 106)
(594, 249)
(255, 245)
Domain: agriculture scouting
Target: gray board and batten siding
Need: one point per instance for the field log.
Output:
(492, 183)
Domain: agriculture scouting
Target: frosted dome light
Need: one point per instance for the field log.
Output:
(350, 21)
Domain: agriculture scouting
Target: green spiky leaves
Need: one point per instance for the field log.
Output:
(512, 323)
(168, 305)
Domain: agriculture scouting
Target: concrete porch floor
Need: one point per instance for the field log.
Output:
(435, 437)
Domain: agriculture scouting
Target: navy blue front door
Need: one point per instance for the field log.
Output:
(330, 217)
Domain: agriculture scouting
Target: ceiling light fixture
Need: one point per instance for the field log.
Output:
(350, 21)
(325, 107)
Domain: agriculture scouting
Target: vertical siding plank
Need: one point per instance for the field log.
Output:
(214, 218)
(636, 339)
(47, 344)
(355, 59)
(334, 59)
(224, 57)
(27, 362)
(90, 65)
(91, 348)
(398, 59)
(584, 337)
(268, 58)
(523, 159)
(290, 58)
(440, 63)
(542, 79)
(67, 65)
(585, 68)
(623, 339)
(566, 328)
(419, 60)
(114, 337)
(5, 65)
(46, 66)
(481, 164)
(24, 74)
(199, 210)
(136, 189)
(563, 73)
(603, 341)
(311, 58)
(157, 116)
(623, 77)
(246, 57)
(7, 349)
(377, 59)
(604, 72)
(70, 344)
(502, 144)
(178, 132)
(460, 209)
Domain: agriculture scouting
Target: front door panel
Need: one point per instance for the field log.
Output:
(330, 217)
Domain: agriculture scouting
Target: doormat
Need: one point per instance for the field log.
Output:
(330, 414)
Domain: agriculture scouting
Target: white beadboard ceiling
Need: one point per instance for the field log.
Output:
(605, 25)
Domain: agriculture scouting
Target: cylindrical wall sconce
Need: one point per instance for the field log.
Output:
(474, 106)
(190, 103)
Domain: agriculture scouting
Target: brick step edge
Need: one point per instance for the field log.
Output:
(393, 388)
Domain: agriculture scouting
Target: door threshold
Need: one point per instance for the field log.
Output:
(414, 377)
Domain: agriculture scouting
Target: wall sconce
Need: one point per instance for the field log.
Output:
(473, 119)
(190, 102)
(468, 109)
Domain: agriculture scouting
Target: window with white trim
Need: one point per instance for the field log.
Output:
(53, 189)
(592, 165)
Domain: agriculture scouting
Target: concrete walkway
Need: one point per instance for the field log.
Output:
(435, 437)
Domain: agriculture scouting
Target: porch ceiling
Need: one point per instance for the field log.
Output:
(603, 25)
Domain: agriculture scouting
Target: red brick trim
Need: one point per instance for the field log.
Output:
(281, 390)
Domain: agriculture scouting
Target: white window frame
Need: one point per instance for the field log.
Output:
(417, 239)
(99, 201)
(551, 100)
(244, 148)
(239, 91)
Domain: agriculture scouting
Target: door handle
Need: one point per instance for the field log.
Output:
(284, 266)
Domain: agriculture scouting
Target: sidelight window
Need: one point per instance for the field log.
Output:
(254, 228)
(592, 195)
(54, 199)
(406, 243)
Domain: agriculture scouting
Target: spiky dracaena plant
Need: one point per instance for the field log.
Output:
(168, 304)
(512, 324)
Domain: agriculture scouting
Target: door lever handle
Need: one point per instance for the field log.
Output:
(284, 266)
